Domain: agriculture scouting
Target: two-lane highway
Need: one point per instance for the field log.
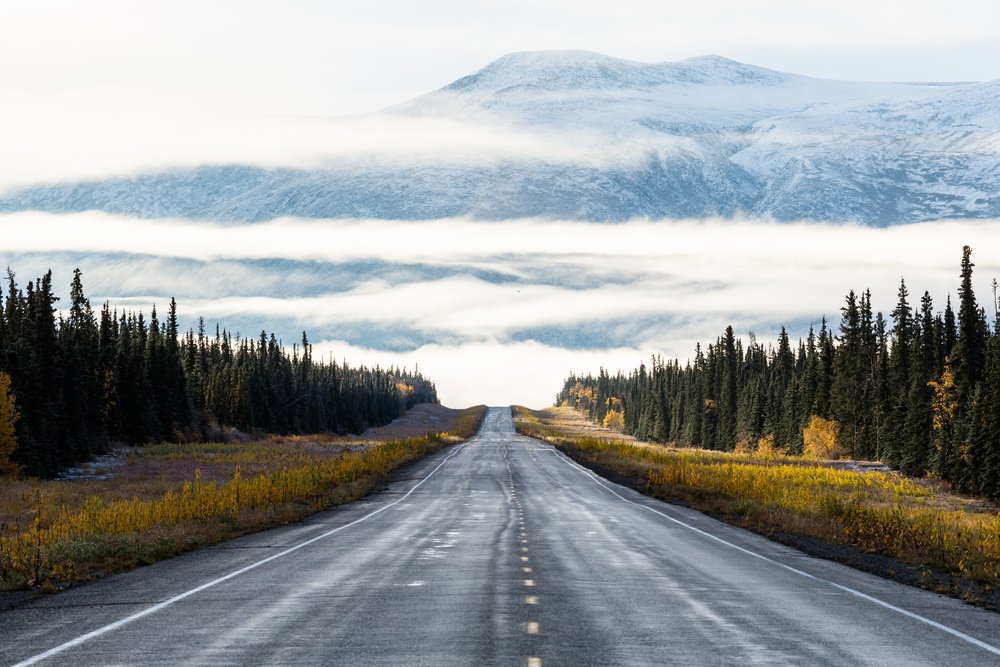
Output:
(501, 551)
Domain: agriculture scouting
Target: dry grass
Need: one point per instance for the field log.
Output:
(918, 521)
(164, 499)
(422, 419)
(561, 422)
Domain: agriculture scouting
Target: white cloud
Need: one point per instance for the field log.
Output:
(35, 151)
(636, 288)
(669, 247)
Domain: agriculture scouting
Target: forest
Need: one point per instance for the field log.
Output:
(919, 391)
(81, 381)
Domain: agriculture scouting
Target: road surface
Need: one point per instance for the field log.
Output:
(501, 551)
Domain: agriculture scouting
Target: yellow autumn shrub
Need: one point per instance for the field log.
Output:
(821, 440)
(615, 418)
(615, 421)
(8, 436)
(766, 446)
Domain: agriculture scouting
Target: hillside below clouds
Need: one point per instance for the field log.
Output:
(582, 136)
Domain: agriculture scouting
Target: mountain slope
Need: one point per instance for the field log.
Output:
(579, 135)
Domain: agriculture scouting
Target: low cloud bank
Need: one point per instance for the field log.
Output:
(479, 305)
(298, 143)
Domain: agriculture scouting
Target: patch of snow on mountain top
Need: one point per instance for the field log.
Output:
(584, 70)
(555, 91)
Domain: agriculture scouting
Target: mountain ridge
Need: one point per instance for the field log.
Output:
(586, 136)
(589, 70)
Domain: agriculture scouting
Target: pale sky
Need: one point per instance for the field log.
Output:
(101, 60)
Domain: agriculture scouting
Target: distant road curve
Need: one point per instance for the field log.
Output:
(501, 551)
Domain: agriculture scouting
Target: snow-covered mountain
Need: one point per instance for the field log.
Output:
(579, 135)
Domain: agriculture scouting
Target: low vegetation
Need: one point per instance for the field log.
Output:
(160, 500)
(917, 521)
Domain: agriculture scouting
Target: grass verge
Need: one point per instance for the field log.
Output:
(916, 531)
(159, 503)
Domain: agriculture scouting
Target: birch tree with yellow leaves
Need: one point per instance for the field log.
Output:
(8, 436)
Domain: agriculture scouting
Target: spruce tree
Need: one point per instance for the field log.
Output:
(989, 473)
(918, 425)
(968, 361)
(898, 381)
(727, 402)
(848, 386)
(824, 384)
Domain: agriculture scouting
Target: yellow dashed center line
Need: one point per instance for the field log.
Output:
(526, 569)
(530, 599)
(532, 628)
(534, 662)
(529, 582)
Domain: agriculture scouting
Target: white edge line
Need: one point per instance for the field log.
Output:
(177, 598)
(934, 624)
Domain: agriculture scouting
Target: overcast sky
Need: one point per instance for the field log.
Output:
(107, 58)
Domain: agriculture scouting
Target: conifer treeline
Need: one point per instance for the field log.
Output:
(920, 392)
(81, 381)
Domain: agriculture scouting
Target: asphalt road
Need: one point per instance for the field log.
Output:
(501, 551)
